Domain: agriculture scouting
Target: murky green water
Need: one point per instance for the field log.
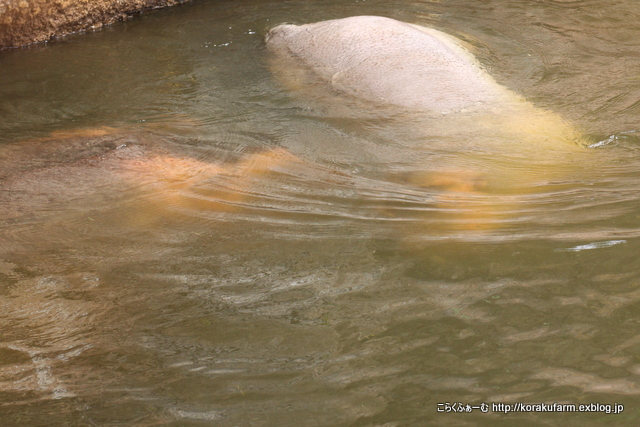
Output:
(185, 242)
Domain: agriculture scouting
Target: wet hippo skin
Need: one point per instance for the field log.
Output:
(390, 63)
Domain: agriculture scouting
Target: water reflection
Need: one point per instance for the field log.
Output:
(183, 242)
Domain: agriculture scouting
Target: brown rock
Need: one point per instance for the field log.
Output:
(29, 21)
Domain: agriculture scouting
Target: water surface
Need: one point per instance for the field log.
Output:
(184, 241)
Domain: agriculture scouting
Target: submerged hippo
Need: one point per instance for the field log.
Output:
(499, 143)
(383, 60)
(388, 62)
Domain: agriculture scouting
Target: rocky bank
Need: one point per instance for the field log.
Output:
(29, 21)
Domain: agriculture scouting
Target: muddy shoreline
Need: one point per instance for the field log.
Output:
(23, 22)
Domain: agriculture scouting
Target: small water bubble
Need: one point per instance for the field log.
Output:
(594, 245)
(604, 142)
(629, 135)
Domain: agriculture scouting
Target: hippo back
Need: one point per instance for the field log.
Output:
(391, 62)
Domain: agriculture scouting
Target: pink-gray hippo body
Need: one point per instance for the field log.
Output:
(448, 100)
(387, 61)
